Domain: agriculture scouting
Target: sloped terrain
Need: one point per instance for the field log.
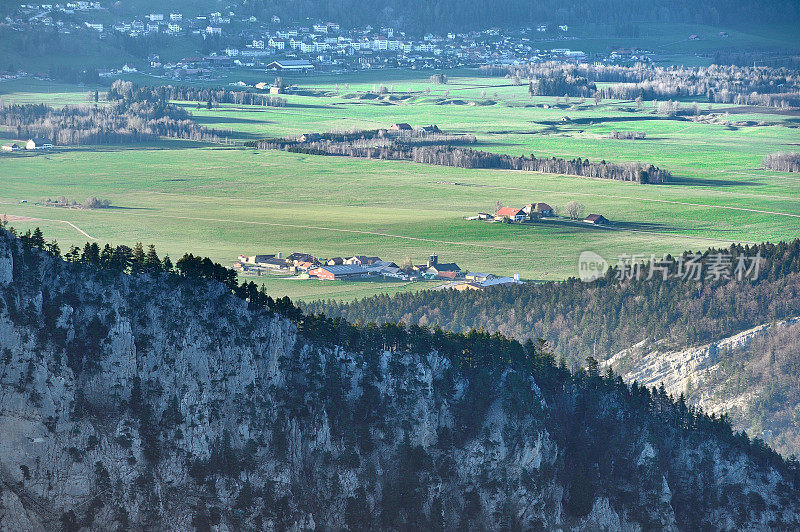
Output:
(161, 401)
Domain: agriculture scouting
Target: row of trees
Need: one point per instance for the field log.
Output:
(627, 135)
(120, 122)
(446, 155)
(782, 161)
(127, 90)
(768, 86)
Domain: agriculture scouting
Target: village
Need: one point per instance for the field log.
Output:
(227, 41)
(365, 268)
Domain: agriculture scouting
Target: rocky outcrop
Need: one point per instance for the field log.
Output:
(156, 401)
(711, 376)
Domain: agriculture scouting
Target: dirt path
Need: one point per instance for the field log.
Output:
(11, 218)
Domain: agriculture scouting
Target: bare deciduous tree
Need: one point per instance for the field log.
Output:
(575, 210)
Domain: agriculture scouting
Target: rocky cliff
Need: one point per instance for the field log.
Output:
(158, 401)
(752, 376)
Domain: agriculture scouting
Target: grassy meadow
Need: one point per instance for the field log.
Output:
(221, 201)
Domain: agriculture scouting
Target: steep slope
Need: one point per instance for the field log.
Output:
(753, 376)
(157, 400)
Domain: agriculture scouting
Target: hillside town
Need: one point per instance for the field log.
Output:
(227, 40)
(360, 267)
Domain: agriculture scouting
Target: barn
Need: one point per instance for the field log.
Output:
(335, 273)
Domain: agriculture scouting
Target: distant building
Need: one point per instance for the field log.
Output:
(334, 273)
(301, 257)
(38, 143)
(543, 208)
(291, 64)
(11, 147)
(513, 214)
(362, 260)
(595, 219)
(402, 126)
(445, 270)
(478, 277)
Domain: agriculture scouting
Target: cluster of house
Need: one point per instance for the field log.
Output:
(529, 213)
(361, 267)
(247, 41)
(32, 144)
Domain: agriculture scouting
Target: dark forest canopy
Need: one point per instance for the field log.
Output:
(443, 15)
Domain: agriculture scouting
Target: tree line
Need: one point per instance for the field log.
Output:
(117, 123)
(127, 90)
(447, 155)
(582, 401)
(782, 161)
(745, 85)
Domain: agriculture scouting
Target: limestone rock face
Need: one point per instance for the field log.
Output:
(166, 403)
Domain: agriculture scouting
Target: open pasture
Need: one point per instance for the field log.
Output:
(222, 201)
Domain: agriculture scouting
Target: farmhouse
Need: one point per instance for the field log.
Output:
(38, 143)
(543, 208)
(254, 259)
(291, 64)
(402, 126)
(335, 261)
(362, 260)
(447, 270)
(301, 257)
(271, 263)
(335, 273)
(516, 215)
(11, 147)
(431, 129)
(595, 219)
(478, 277)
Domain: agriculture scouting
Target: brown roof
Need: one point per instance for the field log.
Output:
(594, 218)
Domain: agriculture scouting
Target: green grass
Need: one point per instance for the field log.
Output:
(221, 202)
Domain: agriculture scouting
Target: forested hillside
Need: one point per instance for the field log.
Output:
(439, 15)
(134, 396)
(600, 318)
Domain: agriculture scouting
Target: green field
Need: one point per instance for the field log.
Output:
(221, 201)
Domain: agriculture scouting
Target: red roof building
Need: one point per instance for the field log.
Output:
(517, 215)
